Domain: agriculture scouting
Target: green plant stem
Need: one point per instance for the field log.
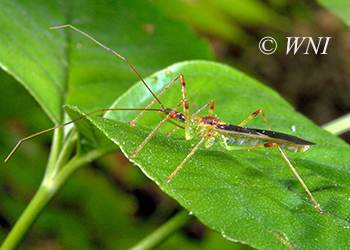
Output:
(75, 163)
(338, 126)
(164, 231)
(54, 152)
(47, 190)
(66, 150)
(39, 201)
(37, 204)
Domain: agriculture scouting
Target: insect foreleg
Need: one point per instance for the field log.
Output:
(259, 111)
(185, 160)
(211, 110)
(132, 123)
(155, 130)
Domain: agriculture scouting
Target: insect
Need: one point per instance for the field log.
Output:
(209, 128)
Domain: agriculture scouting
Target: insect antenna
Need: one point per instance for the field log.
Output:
(115, 53)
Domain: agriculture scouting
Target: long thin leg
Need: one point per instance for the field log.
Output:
(132, 123)
(259, 111)
(155, 130)
(62, 125)
(211, 111)
(272, 144)
(173, 130)
(185, 104)
(185, 160)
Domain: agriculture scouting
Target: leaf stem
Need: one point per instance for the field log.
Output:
(75, 163)
(67, 149)
(164, 231)
(37, 204)
(54, 153)
(338, 126)
(51, 183)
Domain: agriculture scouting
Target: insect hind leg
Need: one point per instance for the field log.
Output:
(273, 144)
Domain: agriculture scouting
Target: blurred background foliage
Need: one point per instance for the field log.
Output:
(317, 86)
(110, 203)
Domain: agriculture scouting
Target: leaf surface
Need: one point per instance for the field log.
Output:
(249, 196)
(60, 67)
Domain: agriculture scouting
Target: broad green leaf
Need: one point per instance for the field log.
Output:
(62, 66)
(89, 77)
(30, 54)
(249, 196)
(340, 7)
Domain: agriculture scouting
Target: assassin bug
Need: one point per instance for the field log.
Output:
(209, 128)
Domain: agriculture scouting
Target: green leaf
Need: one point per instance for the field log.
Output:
(61, 67)
(89, 77)
(29, 52)
(249, 196)
(89, 136)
